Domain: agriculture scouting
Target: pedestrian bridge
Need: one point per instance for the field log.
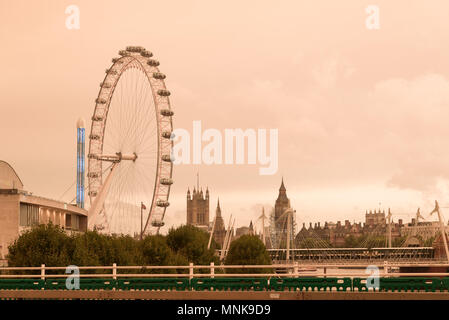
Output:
(326, 255)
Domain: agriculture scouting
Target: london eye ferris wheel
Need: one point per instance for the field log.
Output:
(129, 161)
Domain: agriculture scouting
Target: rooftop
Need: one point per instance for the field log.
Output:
(8, 177)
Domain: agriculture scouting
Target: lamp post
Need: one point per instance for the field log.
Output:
(142, 207)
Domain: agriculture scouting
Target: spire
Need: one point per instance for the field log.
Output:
(198, 180)
(282, 192)
(218, 210)
(282, 188)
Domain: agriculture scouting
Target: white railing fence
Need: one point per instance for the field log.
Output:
(196, 271)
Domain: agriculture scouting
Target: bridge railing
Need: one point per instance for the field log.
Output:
(192, 271)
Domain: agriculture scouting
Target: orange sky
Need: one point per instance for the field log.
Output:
(362, 115)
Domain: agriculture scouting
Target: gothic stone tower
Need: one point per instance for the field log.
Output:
(278, 224)
(198, 209)
(220, 229)
(282, 203)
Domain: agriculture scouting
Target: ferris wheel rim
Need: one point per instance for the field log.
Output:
(115, 73)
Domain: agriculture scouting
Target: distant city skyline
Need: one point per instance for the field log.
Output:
(362, 114)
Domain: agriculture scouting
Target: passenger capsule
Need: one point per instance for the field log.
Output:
(166, 181)
(110, 71)
(94, 137)
(157, 223)
(92, 156)
(153, 63)
(158, 75)
(92, 193)
(146, 54)
(105, 85)
(123, 53)
(100, 101)
(93, 174)
(162, 203)
(115, 60)
(167, 134)
(163, 92)
(135, 49)
(166, 157)
(167, 112)
(97, 118)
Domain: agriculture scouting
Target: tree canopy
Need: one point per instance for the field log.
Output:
(247, 250)
(44, 244)
(50, 245)
(191, 242)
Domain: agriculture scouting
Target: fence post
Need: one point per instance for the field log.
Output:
(114, 271)
(43, 271)
(386, 267)
(295, 269)
(190, 270)
(212, 270)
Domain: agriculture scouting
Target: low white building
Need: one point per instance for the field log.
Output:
(20, 210)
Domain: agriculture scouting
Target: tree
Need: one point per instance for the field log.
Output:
(191, 242)
(50, 245)
(93, 249)
(399, 242)
(156, 252)
(311, 243)
(43, 244)
(352, 241)
(429, 242)
(126, 250)
(248, 250)
(371, 241)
